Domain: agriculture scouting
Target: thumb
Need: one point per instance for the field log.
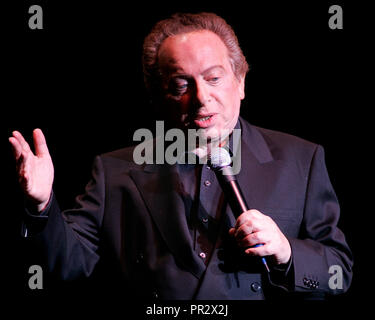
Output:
(40, 143)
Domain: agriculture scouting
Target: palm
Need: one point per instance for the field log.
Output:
(35, 171)
(37, 178)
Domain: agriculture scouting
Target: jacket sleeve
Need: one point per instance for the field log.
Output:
(70, 239)
(322, 260)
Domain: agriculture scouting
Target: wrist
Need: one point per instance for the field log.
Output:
(285, 257)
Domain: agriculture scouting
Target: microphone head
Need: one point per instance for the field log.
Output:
(219, 158)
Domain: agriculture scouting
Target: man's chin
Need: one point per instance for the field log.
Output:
(213, 135)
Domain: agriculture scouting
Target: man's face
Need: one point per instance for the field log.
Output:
(199, 87)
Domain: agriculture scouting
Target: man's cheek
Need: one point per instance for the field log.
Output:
(184, 103)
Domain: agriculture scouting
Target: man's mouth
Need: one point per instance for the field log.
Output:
(204, 121)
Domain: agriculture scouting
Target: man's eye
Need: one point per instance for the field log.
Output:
(179, 87)
(214, 79)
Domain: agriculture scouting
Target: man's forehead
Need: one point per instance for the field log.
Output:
(191, 40)
(203, 47)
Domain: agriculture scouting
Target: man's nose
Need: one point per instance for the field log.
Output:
(202, 93)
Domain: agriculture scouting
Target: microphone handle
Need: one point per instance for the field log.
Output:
(239, 197)
(232, 191)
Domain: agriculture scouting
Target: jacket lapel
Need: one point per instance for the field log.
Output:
(255, 153)
(160, 188)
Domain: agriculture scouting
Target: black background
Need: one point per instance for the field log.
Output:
(80, 80)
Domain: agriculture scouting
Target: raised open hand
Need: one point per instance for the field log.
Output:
(35, 171)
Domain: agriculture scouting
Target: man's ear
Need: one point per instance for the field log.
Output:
(241, 87)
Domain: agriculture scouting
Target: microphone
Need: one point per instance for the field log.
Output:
(220, 161)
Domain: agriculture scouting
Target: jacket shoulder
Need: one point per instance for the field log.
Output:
(284, 145)
(120, 159)
(123, 154)
(285, 139)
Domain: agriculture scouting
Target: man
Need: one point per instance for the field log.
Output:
(166, 231)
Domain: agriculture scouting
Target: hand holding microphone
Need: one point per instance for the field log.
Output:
(256, 232)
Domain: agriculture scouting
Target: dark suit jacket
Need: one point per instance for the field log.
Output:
(132, 217)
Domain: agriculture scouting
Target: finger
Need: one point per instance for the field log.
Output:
(40, 143)
(251, 240)
(25, 146)
(244, 230)
(248, 215)
(16, 147)
(260, 251)
(249, 227)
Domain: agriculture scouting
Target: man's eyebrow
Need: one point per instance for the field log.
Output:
(179, 72)
(174, 71)
(218, 66)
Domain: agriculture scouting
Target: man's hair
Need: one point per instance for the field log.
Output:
(180, 23)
